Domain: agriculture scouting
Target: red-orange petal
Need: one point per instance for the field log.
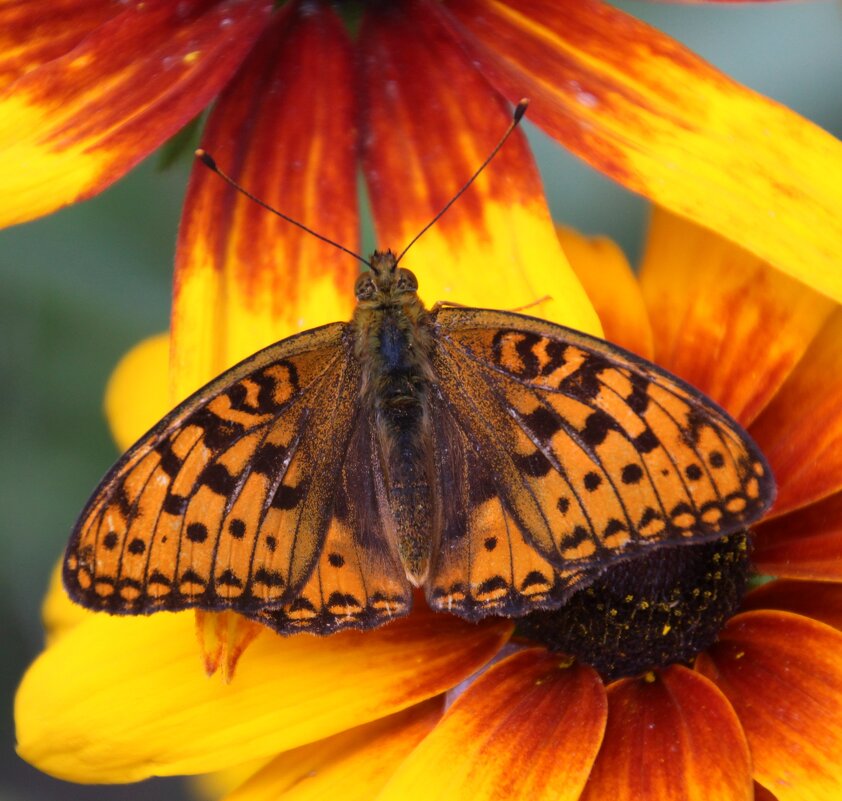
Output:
(652, 115)
(285, 129)
(431, 119)
(722, 319)
(671, 736)
(818, 600)
(800, 431)
(83, 113)
(612, 287)
(806, 543)
(30, 38)
(783, 675)
(353, 765)
(528, 728)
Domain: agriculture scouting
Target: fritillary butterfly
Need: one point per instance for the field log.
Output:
(499, 461)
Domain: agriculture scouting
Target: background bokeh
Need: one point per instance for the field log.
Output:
(78, 288)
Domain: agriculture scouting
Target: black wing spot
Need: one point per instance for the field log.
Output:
(535, 465)
(646, 442)
(579, 535)
(271, 578)
(563, 505)
(543, 423)
(137, 546)
(336, 559)
(110, 540)
(197, 532)
(175, 504)
(217, 479)
(268, 459)
(596, 428)
(229, 579)
(286, 497)
(716, 459)
(237, 528)
(632, 474)
(693, 472)
(490, 543)
(592, 481)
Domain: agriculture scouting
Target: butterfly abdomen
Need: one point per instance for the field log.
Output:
(396, 371)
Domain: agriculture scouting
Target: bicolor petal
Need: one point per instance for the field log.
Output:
(783, 675)
(496, 247)
(648, 112)
(118, 700)
(722, 319)
(527, 728)
(88, 105)
(673, 736)
(245, 278)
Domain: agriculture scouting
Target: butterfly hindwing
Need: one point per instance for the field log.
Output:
(594, 454)
(229, 502)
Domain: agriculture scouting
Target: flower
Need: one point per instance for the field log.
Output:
(763, 703)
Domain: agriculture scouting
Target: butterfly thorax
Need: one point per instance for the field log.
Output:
(392, 333)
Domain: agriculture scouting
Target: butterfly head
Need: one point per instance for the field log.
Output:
(385, 284)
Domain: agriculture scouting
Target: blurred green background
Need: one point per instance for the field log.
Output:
(78, 288)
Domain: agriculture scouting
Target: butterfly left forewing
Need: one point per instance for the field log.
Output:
(598, 454)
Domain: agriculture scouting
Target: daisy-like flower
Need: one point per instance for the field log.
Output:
(670, 683)
(353, 708)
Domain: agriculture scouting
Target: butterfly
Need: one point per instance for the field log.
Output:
(498, 461)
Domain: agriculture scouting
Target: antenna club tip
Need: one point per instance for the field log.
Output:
(205, 158)
(520, 109)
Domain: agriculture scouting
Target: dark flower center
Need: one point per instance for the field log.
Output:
(649, 611)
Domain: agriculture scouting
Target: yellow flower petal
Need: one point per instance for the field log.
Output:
(353, 765)
(646, 111)
(722, 319)
(137, 396)
(245, 278)
(496, 246)
(612, 287)
(58, 612)
(118, 700)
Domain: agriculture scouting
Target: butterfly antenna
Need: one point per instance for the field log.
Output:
(517, 116)
(208, 161)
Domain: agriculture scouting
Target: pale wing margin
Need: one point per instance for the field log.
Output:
(586, 416)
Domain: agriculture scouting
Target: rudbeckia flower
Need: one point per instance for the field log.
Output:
(725, 691)
(353, 708)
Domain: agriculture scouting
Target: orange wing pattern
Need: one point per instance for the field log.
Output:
(242, 499)
(579, 454)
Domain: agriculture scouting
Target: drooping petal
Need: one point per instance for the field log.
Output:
(612, 287)
(118, 700)
(783, 675)
(431, 120)
(652, 115)
(137, 394)
(85, 111)
(353, 765)
(818, 600)
(722, 319)
(528, 728)
(806, 543)
(672, 736)
(284, 128)
(801, 430)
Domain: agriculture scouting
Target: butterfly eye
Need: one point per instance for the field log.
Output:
(364, 289)
(406, 281)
